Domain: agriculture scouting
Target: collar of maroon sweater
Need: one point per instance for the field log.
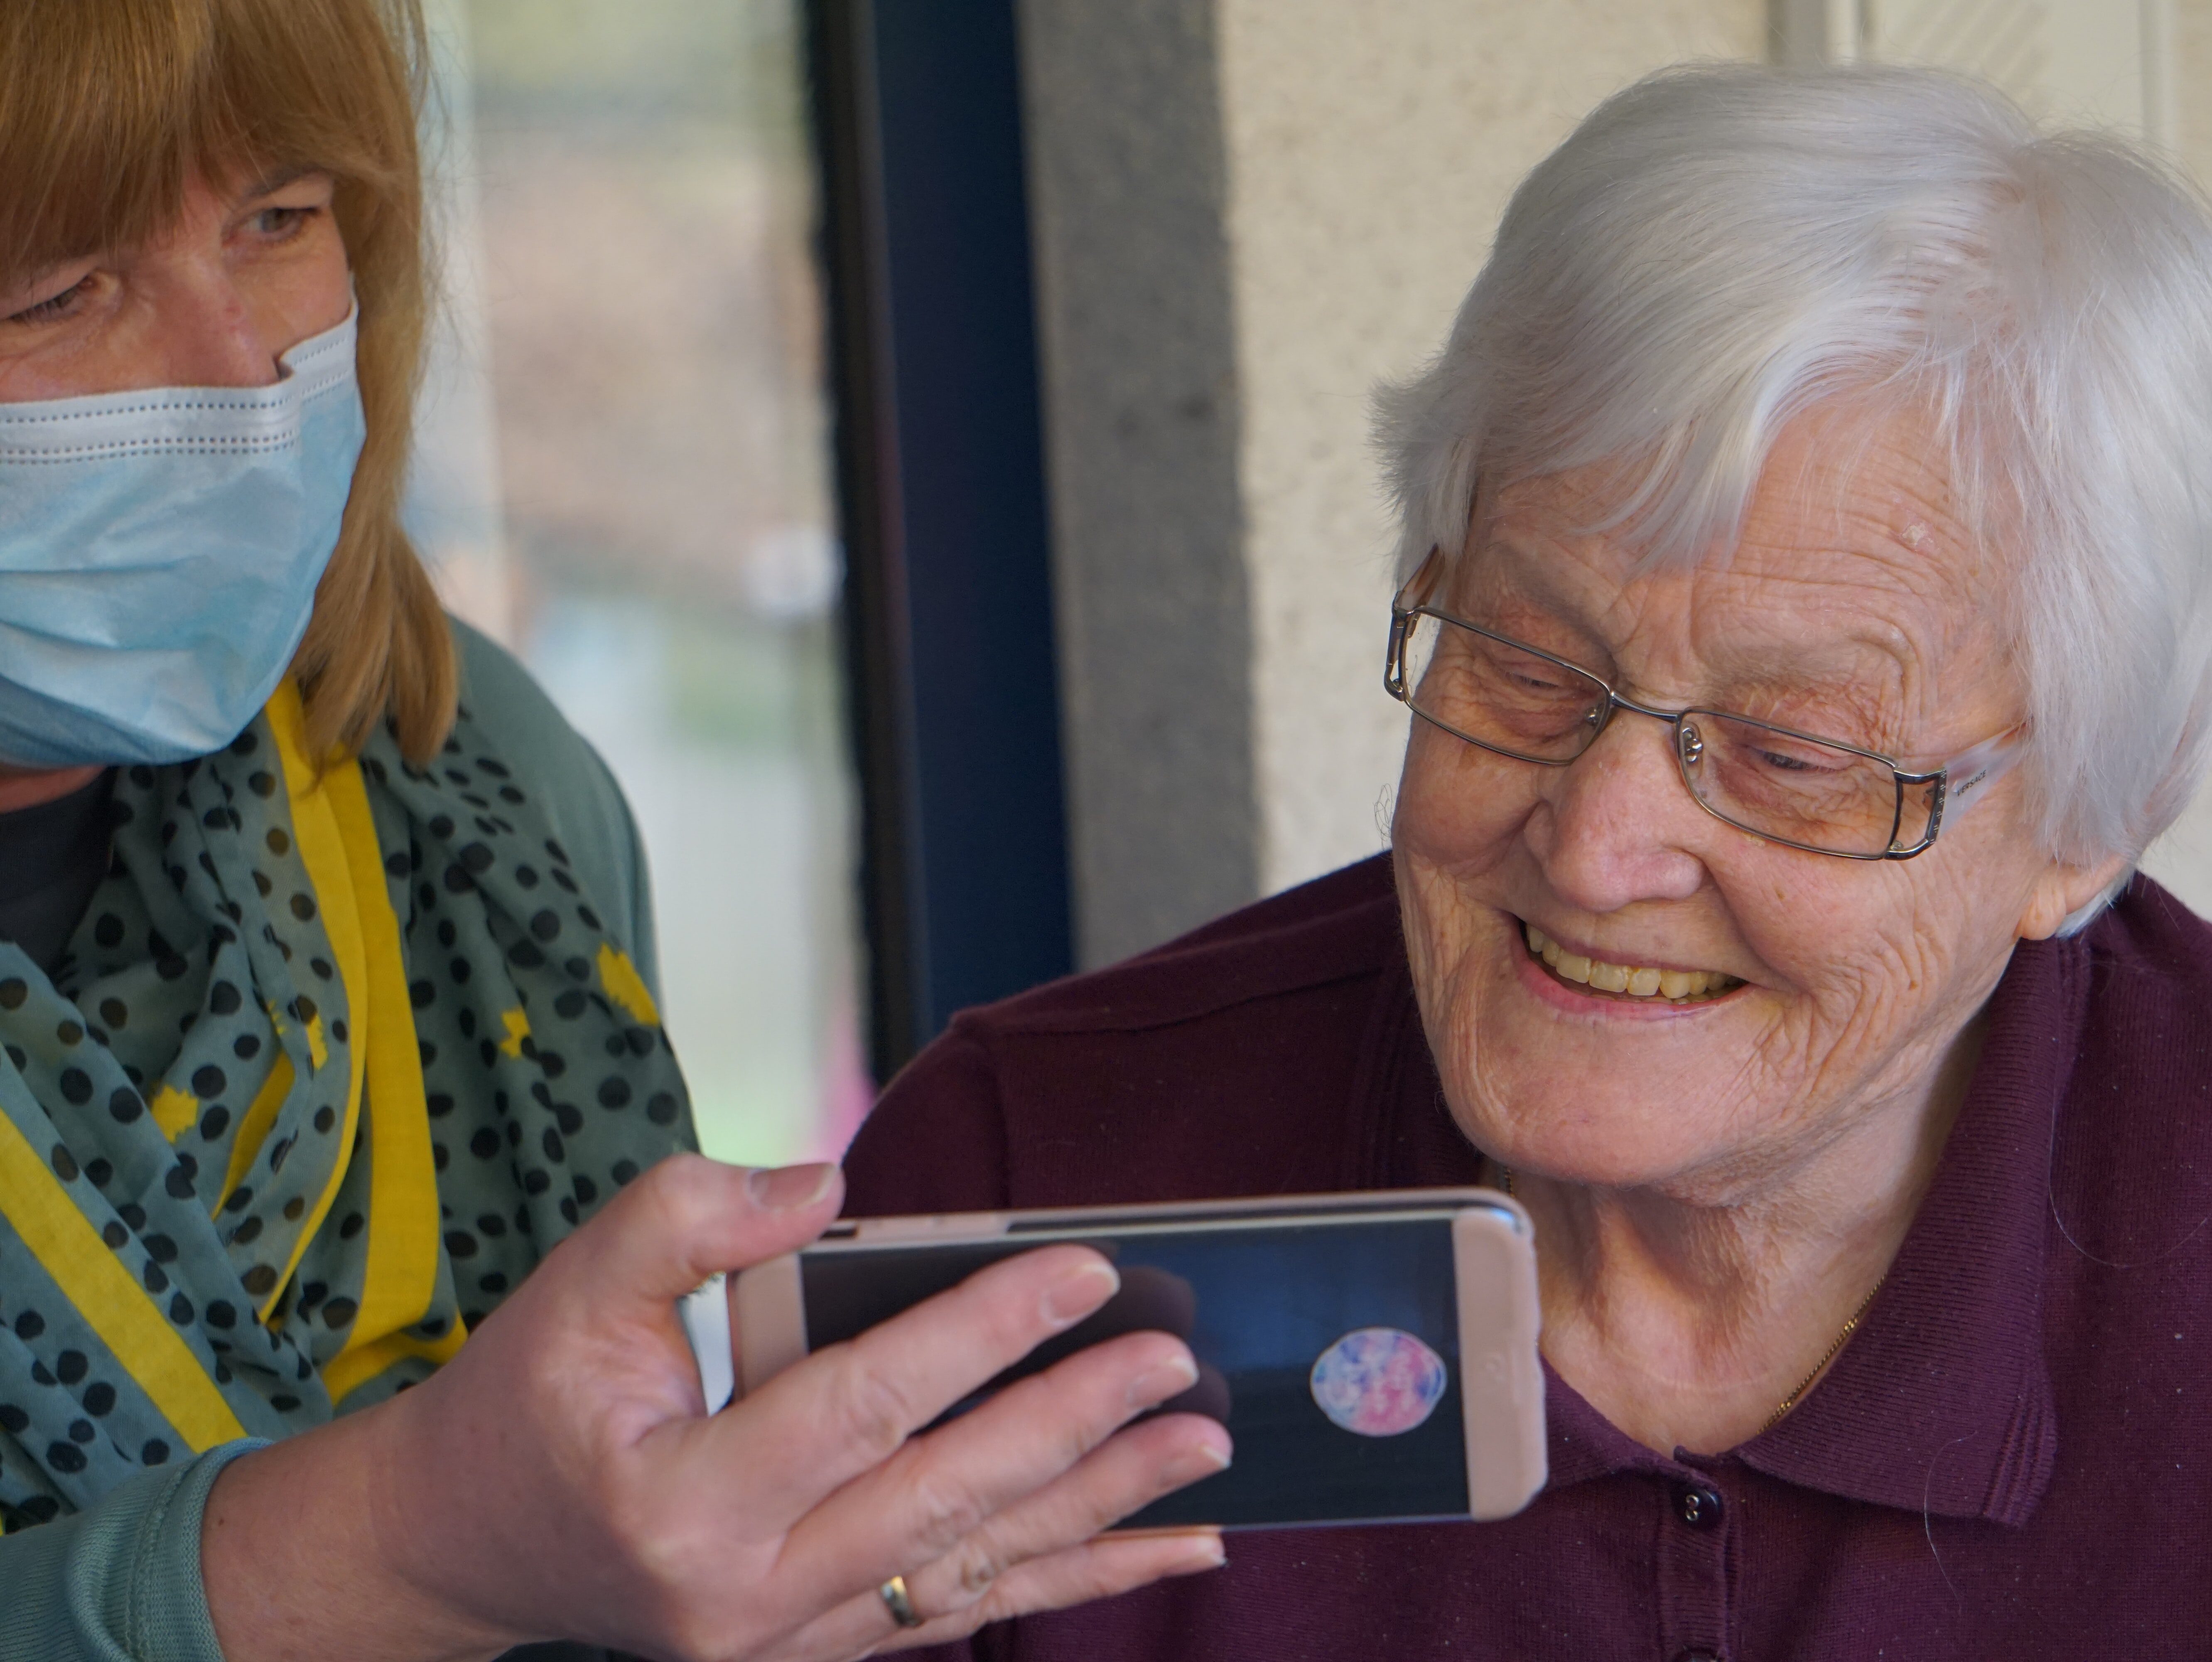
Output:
(1942, 1402)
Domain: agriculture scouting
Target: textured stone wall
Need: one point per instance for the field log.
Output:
(1371, 147)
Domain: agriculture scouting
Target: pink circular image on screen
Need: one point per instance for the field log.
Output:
(1378, 1381)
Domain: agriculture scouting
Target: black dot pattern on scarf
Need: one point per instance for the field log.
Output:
(204, 967)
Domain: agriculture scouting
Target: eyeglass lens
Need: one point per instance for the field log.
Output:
(1506, 697)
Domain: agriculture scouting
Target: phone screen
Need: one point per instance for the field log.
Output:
(1328, 1347)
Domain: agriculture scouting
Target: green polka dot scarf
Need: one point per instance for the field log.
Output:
(333, 1058)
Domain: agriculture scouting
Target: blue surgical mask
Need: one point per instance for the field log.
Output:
(159, 553)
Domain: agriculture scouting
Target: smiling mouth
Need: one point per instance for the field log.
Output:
(1634, 981)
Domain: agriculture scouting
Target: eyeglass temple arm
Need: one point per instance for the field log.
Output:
(1415, 589)
(1968, 775)
(1411, 594)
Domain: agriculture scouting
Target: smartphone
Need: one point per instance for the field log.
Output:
(1374, 1355)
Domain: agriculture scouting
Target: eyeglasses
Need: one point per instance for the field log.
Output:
(1818, 794)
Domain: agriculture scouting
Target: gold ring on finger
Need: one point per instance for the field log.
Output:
(893, 1593)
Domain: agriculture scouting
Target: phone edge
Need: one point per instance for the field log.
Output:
(771, 1318)
(1501, 1377)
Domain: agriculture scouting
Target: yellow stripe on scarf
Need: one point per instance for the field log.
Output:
(322, 849)
(253, 1131)
(337, 839)
(109, 1297)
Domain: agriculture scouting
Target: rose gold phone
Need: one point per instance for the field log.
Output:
(1374, 1355)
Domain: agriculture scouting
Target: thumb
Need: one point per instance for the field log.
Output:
(691, 1217)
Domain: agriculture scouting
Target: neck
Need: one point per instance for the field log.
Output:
(25, 787)
(1687, 1313)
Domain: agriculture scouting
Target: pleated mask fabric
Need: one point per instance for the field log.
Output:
(334, 1057)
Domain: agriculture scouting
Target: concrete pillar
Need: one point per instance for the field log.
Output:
(1127, 188)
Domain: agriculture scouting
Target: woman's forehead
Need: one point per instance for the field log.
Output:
(1849, 530)
(1711, 626)
(243, 87)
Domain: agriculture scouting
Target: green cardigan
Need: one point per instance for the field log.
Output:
(121, 1581)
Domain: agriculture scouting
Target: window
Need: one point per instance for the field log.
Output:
(622, 474)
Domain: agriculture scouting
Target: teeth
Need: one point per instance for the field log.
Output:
(1637, 980)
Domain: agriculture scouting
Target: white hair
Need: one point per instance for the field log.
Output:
(1720, 248)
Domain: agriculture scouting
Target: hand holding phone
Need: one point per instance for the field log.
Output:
(559, 1480)
(1373, 1357)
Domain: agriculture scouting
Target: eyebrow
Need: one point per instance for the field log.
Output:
(1837, 667)
(14, 285)
(271, 183)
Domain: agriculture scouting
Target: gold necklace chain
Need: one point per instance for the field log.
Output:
(1819, 1368)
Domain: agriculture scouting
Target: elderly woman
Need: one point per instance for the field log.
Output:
(325, 991)
(1806, 615)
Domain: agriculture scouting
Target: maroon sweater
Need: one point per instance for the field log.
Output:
(2013, 1458)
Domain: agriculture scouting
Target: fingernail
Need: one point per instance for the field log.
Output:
(1078, 1293)
(1156, 1385)
(1206, 1553)
(787, 1188)
(1194, 1464)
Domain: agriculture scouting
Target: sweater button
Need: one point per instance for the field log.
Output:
(1700, 1509)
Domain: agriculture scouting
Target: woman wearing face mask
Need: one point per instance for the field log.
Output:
(325, 996)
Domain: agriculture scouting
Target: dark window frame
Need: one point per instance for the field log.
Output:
(948, 638)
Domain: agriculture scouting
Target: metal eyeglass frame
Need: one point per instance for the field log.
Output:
(1983, 765)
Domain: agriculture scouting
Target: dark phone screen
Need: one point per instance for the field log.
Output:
(1259, 1304)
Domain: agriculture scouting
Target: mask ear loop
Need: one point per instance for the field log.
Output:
(1976, 770)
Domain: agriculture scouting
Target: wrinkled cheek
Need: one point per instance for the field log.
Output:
(1451, 827)
(1437, 921)
(1901, 1014)
(1781, 1063)
(1833, 1042)
(1457, 808)
(1451, 948)
(1859, 946)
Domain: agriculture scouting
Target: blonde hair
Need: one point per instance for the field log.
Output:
(108, 107)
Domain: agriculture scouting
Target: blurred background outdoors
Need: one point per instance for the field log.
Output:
(1240, 215)
(623, 476)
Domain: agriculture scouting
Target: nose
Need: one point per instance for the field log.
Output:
(207, 334)
(1617, 825)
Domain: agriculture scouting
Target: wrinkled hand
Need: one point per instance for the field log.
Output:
(558, 1478)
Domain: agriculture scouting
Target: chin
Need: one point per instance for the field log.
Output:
(1605, 1091)
(1623, 1146)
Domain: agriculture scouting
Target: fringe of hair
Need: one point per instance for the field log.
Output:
(108, 107)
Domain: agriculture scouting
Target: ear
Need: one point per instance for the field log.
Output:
(2063, 890)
